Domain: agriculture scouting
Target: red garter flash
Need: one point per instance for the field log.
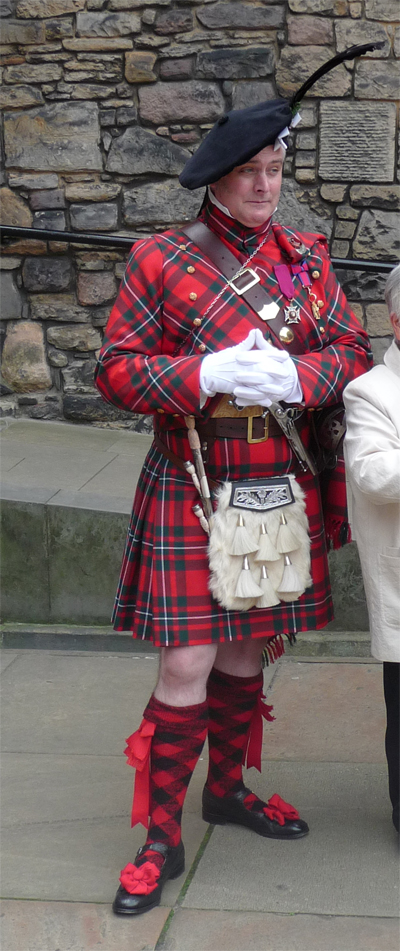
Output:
(138, 754)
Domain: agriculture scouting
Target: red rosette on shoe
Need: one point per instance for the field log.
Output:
(280, 810)
(139, 880)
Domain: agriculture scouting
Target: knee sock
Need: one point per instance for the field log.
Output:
(231, 703)
(175, 748)
(391, 685)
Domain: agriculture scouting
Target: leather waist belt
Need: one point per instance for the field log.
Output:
(252, 428)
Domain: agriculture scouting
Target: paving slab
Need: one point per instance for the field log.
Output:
(326, 712)
(192, 930)
(347, 865)
(44, 926)
(69, 703)
(66, 788)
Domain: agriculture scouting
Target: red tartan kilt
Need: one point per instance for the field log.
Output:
(163, 592)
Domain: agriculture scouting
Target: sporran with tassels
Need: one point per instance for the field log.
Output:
(259, 547)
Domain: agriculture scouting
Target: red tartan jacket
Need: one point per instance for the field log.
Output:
(174, 306)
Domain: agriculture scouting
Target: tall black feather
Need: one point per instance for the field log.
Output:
(326, 68)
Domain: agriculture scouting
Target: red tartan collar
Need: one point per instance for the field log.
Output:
(237, 236)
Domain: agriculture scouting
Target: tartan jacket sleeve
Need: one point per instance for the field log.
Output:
(135, 371)
(345, 352)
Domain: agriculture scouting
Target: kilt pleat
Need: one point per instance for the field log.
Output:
(163, 593)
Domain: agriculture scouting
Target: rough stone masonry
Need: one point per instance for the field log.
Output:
(103, 101)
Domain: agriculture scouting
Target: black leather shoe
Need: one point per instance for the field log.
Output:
(174, 864)
(219, 811)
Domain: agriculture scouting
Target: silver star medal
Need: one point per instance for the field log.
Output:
(292, 314)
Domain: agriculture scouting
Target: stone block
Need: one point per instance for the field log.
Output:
(10, 298)
(345, 229)
(61, 137)
(309, 116)
(175, 21)
(377, 10)
(306, 140)
(305, 159)
(134, 4)
(378, 236)
(47, 274)
(294, 68)
(48, 8)
(347, 212)
(305, 175)
(92, 409)
(8, 263)
(107, 44)
(96, 287)
(193, 101)
(176, 68)
(340, 249)
(33, 73)
(378, 323)
(396, 42)
(78, 376)
(32, 180)
(351, 137)
(379, 347)
(376, 196)
(138, 151)
(18, 97)
(295, 210)
(250, 93)
(27, 246)
(14, 32)
(251, 62)
(14, 210)
(139, 66)
(90, 91)
(46, 199)
(358, 311)
(92, 191)
(49, 220)
(126, 115)
(58, 29)
(70, 337)
(24, 561)
(56, 358)
(62, 307)
(306, 30)
(240, 16)
(107, 24)
(362, 286)
(100, 217)
(312, 6)
(351, 32)
(376, 79)
(24, 365)
(160, 204)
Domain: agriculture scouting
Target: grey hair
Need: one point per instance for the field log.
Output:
(392, 291)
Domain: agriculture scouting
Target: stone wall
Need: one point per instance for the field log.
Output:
(103, 100)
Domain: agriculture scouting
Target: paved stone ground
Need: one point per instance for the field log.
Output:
(66, 800)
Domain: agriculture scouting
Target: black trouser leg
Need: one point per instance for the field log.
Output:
(391, 687)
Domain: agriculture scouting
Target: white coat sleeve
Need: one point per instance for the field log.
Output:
(372, 444)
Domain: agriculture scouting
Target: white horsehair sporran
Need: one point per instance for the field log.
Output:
(259, 545)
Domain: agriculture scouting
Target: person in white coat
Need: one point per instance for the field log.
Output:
(372, 454)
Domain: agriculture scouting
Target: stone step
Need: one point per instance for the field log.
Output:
(317, 645)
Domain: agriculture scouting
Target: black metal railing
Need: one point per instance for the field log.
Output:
(124, 241)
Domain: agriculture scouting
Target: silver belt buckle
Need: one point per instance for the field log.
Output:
(254, 279)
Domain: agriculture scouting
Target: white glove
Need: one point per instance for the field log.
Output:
(266, 375)
(218, 370)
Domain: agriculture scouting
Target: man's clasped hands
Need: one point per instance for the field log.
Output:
(253, 371)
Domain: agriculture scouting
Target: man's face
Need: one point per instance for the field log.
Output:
(395, 322)
(251, 191)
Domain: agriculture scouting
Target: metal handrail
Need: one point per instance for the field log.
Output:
(123, 241)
